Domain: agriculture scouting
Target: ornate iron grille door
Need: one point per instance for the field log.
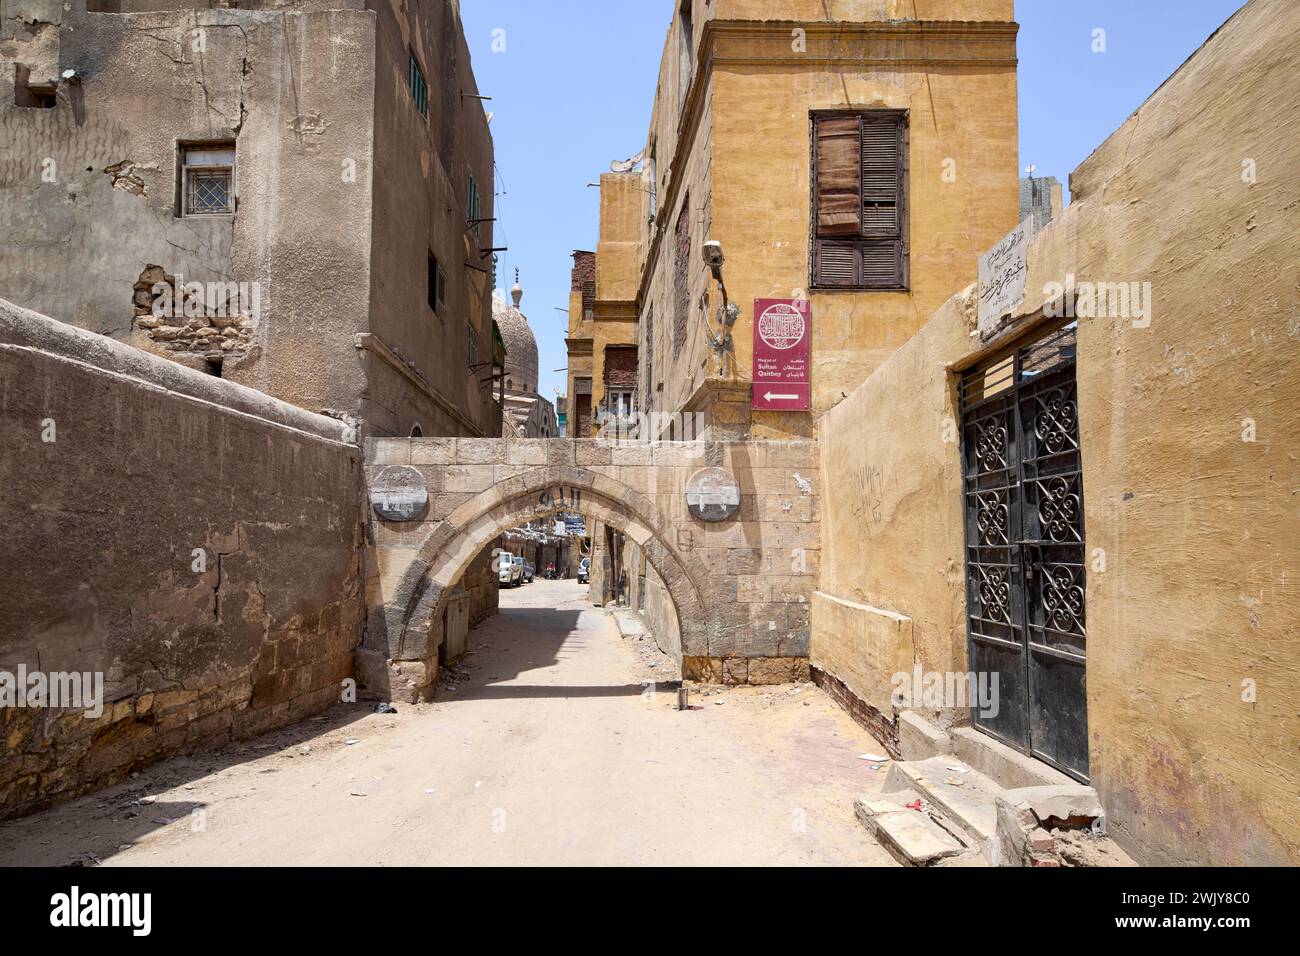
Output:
(1025, 574)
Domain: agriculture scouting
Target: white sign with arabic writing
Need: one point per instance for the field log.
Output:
(1002, 277)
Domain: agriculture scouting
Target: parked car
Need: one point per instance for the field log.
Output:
(511, 574)
(530, 572)
(584, 570)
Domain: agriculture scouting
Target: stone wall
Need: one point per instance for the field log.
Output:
(740, 588)
(1188, 421)
(194, 540)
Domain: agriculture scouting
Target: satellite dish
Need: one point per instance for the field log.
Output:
(627, 165)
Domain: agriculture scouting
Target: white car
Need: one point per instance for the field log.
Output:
(511, 574)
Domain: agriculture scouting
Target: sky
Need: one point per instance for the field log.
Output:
(572, 84)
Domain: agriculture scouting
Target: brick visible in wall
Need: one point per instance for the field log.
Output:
(620, 366)
(877, 724)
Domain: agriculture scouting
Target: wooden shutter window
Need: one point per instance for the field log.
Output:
(881, 177)
(837, 263)
(681, 274)
(860, 162)
(839, 188)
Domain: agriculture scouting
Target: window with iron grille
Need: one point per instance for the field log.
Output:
(473, 345)
(415, 82)
(620, 405)
(208, 180)
(859, 199)
(474, 204)
(437, 284)
(681, 275)
(647, 384)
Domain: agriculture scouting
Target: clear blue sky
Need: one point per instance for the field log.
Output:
(573, 88)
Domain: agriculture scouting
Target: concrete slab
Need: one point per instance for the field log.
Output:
(970, 803)
(629, 623)
(911, 837)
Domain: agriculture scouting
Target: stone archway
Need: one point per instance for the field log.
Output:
(741, 586)
(404, 631)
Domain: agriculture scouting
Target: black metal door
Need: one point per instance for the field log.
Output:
(1025, 574)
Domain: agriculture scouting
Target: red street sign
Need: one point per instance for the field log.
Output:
(782, 331)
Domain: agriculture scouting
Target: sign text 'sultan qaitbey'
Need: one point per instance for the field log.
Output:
(782, 333)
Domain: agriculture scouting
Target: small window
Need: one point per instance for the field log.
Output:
(437, 282)
(475, 206)
(208, 180)
(31, 97)
(473, 346)
(681, 275)
(685, 52)
(417, 431)
(415, 81)
(652, 178)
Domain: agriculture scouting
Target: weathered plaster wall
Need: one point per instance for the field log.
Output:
(890, 593)
(1202, 589)
(90, 187)
(423, 165)
(744, 160)
(149, 462)
(1198, 601)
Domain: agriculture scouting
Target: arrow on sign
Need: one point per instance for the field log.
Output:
(769, 396)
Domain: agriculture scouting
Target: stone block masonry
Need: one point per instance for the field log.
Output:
(728, 599)
(193, 540)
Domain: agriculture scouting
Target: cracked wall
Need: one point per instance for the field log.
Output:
(192, 539)
(89, 189)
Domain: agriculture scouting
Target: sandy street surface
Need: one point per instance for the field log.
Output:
(541, 748)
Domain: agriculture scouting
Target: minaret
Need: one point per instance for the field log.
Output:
(517, 292)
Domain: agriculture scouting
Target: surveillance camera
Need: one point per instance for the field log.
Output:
(712, 253)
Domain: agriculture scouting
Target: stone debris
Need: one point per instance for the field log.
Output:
(1054, 826)
(913, 838)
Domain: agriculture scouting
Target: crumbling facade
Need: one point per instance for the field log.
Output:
(296, 198)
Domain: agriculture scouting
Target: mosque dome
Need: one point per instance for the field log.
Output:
(521, 345)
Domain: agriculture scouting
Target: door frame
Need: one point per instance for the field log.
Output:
(1023, 544)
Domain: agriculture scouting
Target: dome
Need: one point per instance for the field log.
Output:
(521, 346)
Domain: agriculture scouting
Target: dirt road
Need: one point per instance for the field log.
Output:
(546, 750)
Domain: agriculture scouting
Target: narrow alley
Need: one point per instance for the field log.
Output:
(544, 747)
